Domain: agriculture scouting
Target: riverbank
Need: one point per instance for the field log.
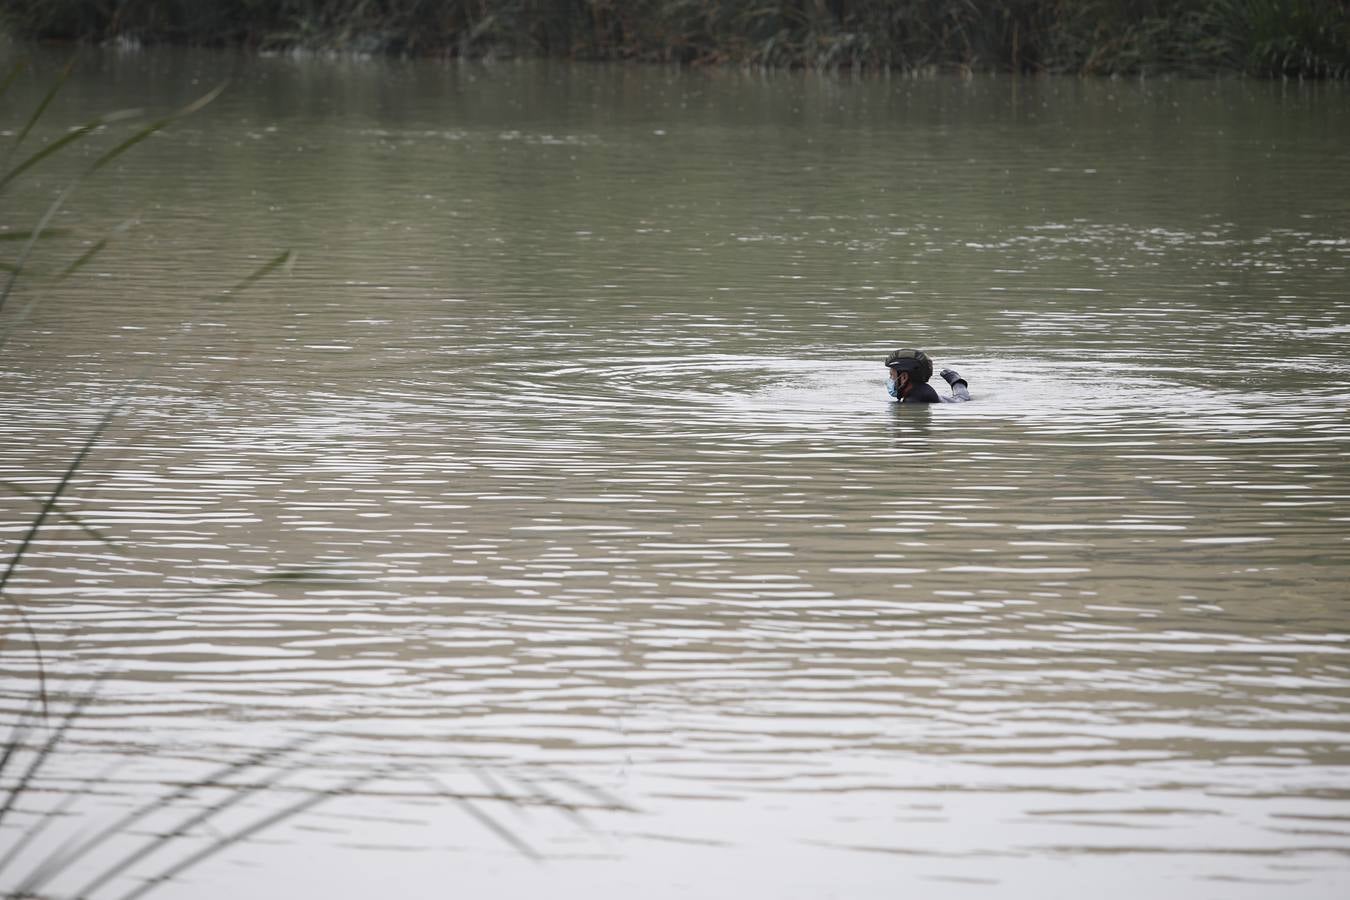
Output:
(1265, 38)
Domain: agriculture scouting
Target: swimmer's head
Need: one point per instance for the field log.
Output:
(914, 363)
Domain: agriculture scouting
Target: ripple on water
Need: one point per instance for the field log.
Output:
(591, 502)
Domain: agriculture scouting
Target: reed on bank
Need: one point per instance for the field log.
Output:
(1276, 38)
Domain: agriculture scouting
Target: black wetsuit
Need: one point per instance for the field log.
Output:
(922, 393)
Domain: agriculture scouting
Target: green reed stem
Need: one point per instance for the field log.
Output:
(42, 106)
(69, 855)
(47, 507)
(66, 516)
(229, 840)
(45, 751)
(14, 72)
(276, 262)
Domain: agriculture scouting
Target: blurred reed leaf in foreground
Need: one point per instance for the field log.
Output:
(61, 851)
(51, 846)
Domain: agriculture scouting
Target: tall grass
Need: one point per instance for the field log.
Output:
(14, 268)
(1289, 38)
(1304, 38)
(184, 825)
(23, 751)
(108, 858)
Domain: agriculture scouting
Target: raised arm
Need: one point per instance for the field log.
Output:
(960, 390)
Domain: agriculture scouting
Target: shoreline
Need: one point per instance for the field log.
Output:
(1290, 39)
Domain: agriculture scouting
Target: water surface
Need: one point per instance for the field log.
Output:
(557, 472)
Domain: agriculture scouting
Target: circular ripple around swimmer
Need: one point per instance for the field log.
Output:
(807, 391)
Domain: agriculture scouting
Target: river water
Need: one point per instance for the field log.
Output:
(552, 486)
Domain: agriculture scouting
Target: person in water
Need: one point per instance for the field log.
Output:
(908, 374)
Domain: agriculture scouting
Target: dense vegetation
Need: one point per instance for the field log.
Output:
(1294, 38)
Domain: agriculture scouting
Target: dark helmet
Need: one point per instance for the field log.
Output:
(915, 362)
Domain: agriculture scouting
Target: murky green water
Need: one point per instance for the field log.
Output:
(570, 417)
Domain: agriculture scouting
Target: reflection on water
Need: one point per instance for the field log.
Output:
(562, 459)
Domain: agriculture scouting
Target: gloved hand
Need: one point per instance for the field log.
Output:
(952, 377)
